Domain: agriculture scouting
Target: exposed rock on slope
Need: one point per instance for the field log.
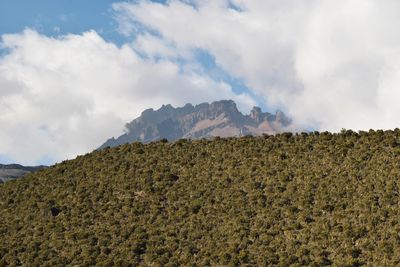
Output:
(221, 118)
(12, 171)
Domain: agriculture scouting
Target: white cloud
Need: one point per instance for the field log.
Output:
(152, 46)
(64, 96)
(333, 64)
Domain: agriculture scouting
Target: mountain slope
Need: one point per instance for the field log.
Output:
(220, 118)
(283, 200)
(13, 171)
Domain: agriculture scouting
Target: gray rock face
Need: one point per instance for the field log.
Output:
(220, 118)
(13, 171)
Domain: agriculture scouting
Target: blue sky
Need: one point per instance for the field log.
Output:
(54, 17)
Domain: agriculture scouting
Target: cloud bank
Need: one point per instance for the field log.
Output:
(65, 96)
(331, 64)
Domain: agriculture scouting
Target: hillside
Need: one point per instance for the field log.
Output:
(12, 171)
(284, 200)
(220, 118)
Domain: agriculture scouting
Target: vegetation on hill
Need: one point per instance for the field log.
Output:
(286, 200)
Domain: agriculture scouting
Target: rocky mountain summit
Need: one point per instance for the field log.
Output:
(12, 171)
(220, 118)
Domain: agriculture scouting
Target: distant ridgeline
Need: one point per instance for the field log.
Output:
(220, 118)
(310, 199)
(12, 171)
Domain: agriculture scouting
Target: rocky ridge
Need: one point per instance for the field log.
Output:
(220, 118)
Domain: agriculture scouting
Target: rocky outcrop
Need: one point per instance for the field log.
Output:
(220, 118)
(13, 171)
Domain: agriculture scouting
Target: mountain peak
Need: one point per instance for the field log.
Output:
(220, 118)
(224, 103)
(227, 106)
(282, 118)
(255, 114)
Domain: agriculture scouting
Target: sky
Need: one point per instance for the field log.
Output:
(72, 73)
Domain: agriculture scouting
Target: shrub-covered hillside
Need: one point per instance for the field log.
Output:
(286, 200)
